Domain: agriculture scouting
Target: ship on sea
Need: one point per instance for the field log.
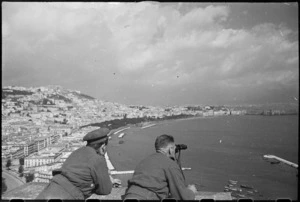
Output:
(121, 135)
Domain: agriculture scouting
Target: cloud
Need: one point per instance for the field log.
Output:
(150, 43)
(200, 17)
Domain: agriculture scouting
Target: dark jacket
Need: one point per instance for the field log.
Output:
(85, 172)
(158, 177)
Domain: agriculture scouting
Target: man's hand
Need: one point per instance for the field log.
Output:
(102, 150)
(192, 187)
(115, 182)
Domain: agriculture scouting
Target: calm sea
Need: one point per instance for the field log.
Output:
(221, 149)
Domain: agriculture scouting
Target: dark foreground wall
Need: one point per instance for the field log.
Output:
(31, 190)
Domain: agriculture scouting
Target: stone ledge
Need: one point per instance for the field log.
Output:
(31, 191)
(118, 192)
(214, 195)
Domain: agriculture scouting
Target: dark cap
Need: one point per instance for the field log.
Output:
(97, 136)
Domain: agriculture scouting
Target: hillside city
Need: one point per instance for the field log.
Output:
(42, 126)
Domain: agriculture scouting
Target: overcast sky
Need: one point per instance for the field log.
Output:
(152, 53)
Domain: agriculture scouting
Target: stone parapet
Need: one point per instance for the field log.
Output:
(31, 191)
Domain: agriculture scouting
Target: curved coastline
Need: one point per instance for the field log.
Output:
(17, 180)
(138, 143)
(117, 161)
(150, 124)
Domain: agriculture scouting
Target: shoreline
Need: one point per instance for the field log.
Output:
(149, 125)
(124, 174)
(138, 144)
(119, 130)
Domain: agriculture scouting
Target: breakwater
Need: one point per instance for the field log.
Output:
(281, 160)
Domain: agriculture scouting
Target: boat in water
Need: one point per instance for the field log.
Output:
(121, 135)
(232, 181)
(246, 186)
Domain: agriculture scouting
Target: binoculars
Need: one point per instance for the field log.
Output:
(180, 147)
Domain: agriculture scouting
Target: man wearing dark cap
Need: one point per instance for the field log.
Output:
(84, 172)
(159, 176)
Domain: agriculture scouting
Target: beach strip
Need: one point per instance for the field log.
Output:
(148, 126)
(120, 130)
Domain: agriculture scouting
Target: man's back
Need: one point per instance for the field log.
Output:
(160, 175)
(85, 168)
(82, 174)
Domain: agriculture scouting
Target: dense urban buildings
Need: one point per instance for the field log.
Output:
(43, 125)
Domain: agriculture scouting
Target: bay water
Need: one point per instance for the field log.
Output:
(221, 149)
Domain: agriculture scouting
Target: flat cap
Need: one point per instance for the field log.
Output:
(97, 136)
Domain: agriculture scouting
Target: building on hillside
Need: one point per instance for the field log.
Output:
(238, 112)
(44, 173)
(220, 113)
(55, 138)
(43, 168)
(44, 177)
(30, 148)
(17, 154)
(208, 113)
(64, 156)
(41, 143)
(48, 155)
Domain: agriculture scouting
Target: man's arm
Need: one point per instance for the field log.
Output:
(99, 172)
(177, 186)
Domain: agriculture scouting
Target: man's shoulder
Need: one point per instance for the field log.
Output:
(95, 158)
(161, 159)
(85, 149)
(156, 156)
(84, 152)
(167, 162)
(80, 149)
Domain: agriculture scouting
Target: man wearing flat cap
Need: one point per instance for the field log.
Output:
(84, 172)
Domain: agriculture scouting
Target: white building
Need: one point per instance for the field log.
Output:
(49, 155)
